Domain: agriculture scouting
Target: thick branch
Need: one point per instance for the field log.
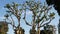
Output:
(25, 19)
(27, 23)
(43, 21)
(46, 23)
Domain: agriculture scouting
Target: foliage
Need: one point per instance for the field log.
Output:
(3, 27)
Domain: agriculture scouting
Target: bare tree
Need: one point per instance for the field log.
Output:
(41, 15)
(16, 10)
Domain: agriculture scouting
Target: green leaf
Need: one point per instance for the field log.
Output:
(7, 6)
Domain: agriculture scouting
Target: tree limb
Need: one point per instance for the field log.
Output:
(13, 22)
(46, 23)
(27, 23)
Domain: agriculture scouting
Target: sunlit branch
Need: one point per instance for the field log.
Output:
(46, 23)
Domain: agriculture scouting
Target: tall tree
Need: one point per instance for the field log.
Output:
(40, 14)
(13, 9)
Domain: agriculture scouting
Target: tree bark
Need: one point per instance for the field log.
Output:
(38, 29)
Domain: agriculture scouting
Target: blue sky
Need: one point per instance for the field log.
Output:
(23, 25)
